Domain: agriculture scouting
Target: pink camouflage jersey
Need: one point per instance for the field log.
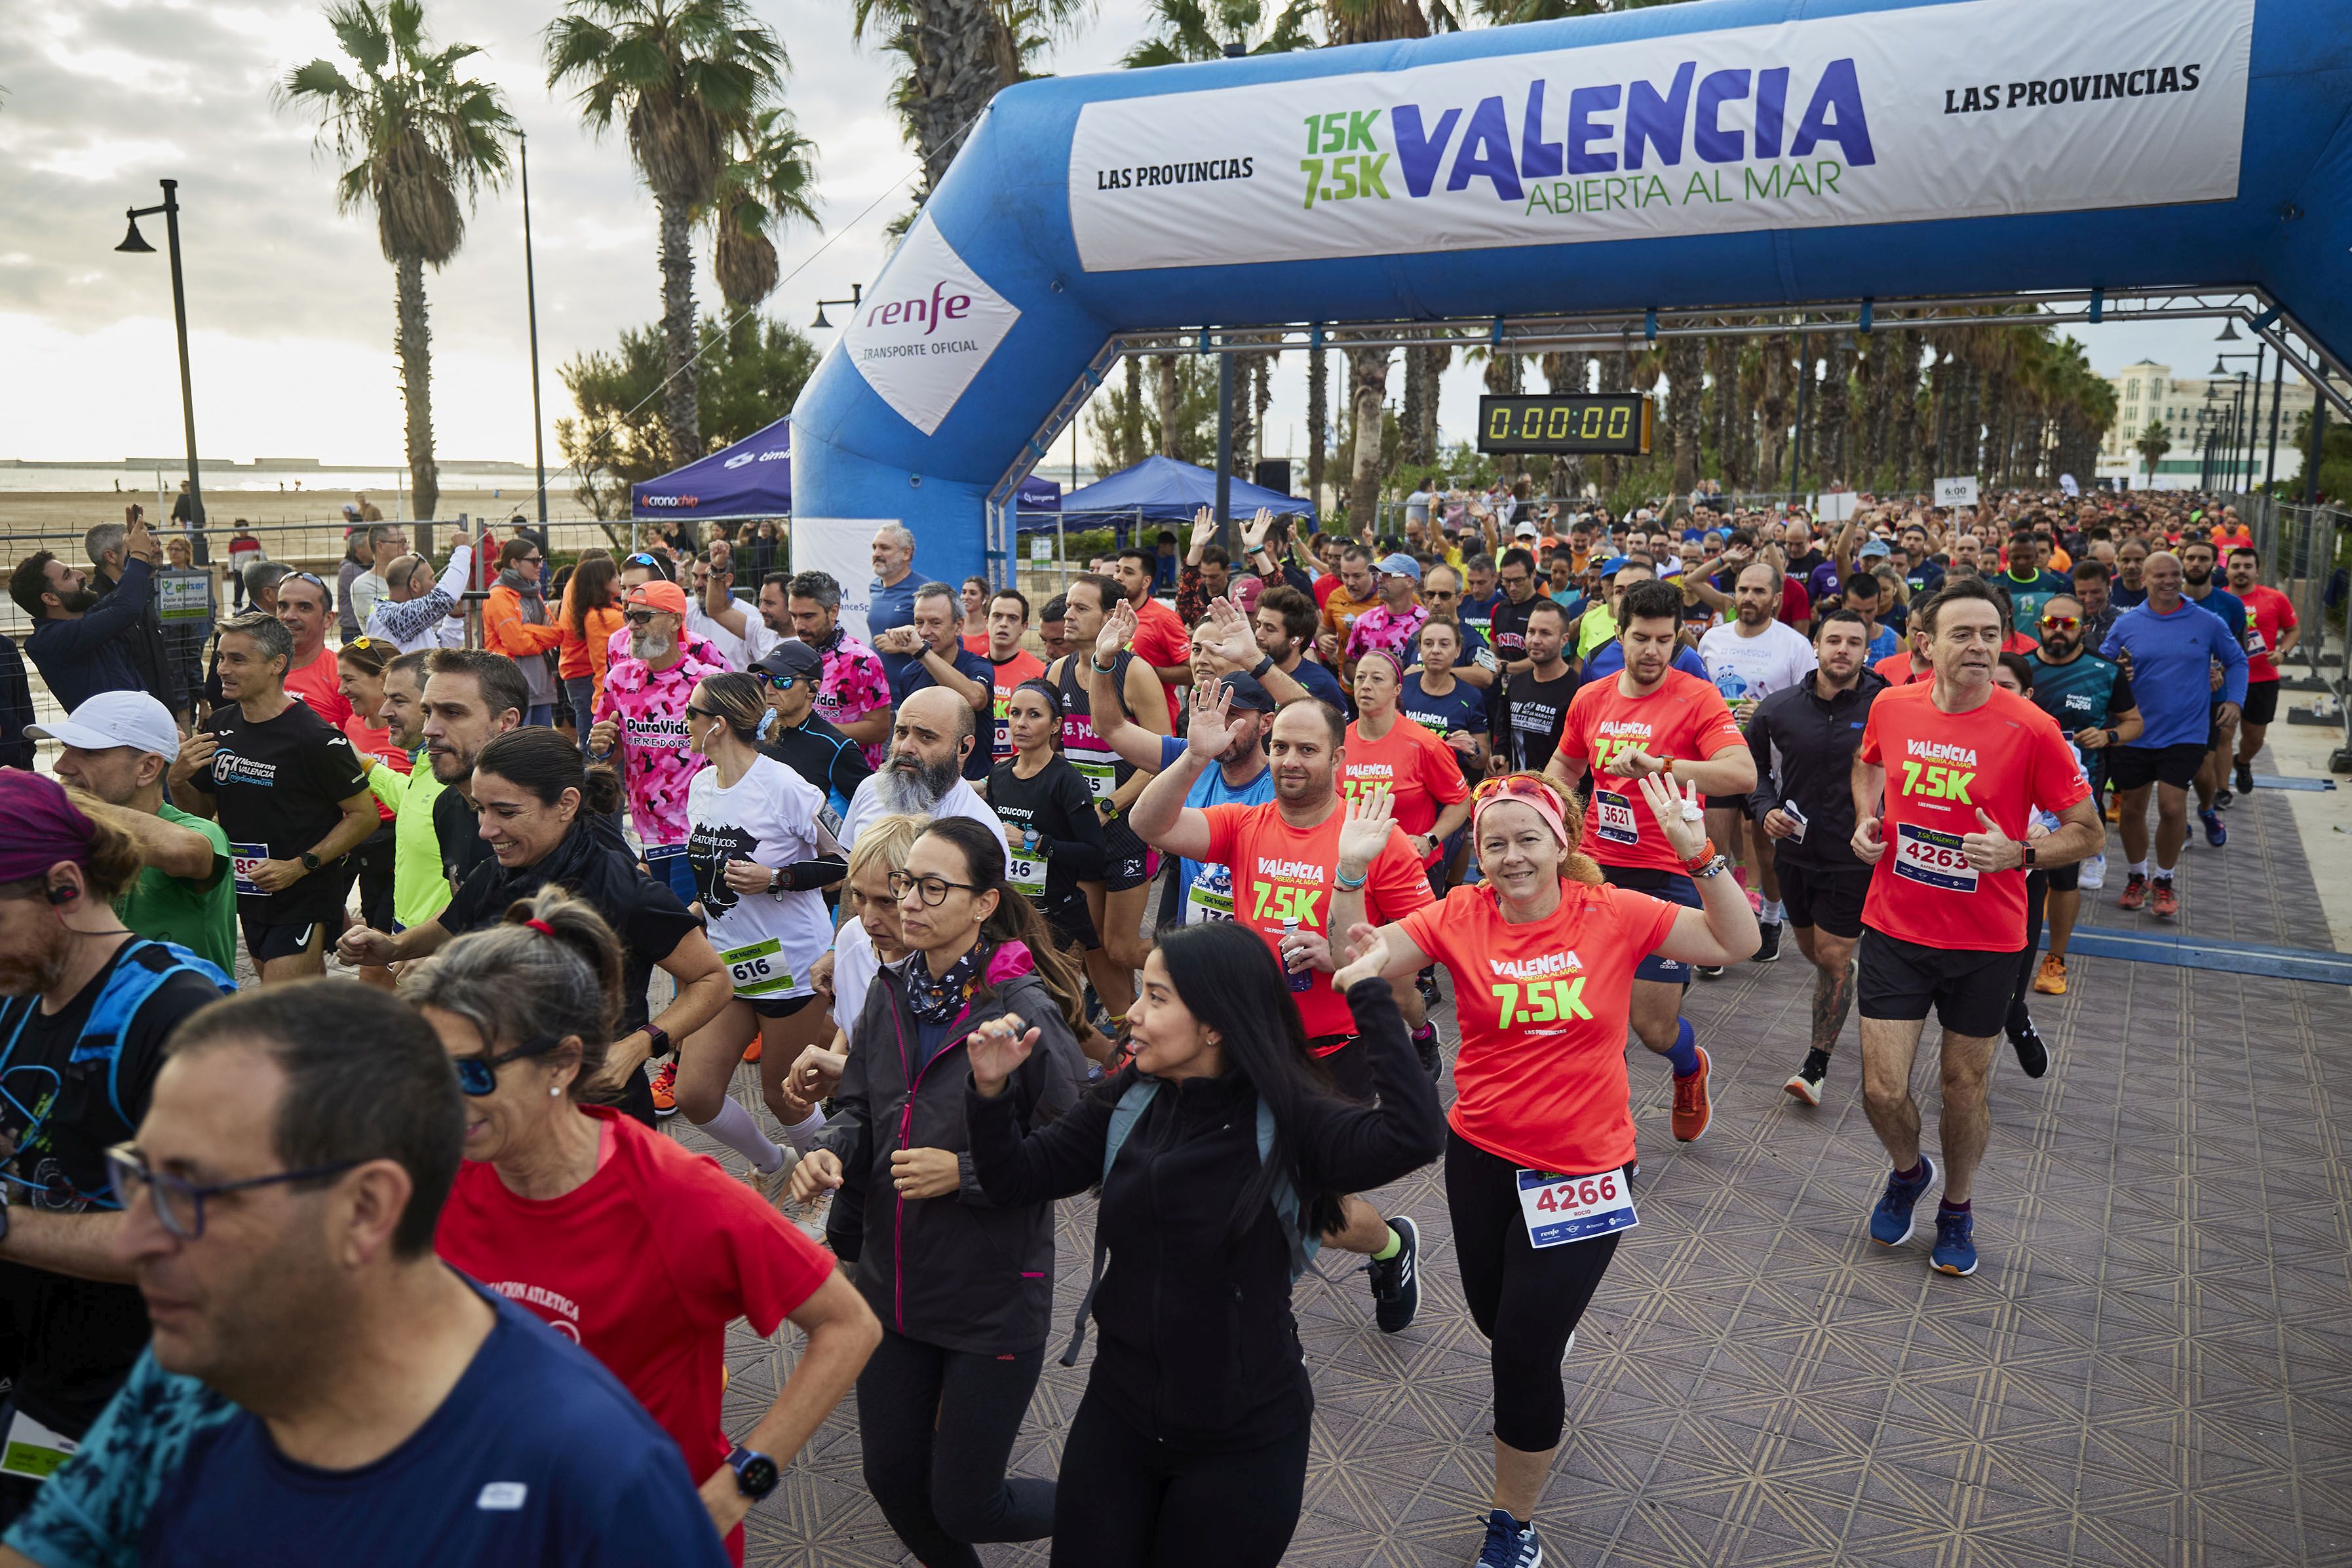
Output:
(853, 685)
(650, 708)
(1380, 627)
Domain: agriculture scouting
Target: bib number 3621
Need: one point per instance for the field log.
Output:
(1612, 819)
(1561, 1209)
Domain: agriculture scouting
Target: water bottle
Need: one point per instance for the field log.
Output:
(1300, 979)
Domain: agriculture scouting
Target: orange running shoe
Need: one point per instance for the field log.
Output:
(665, 1090)
(752, 1051)
(1692, 1112)
(2135, 892)
(2162, 902)
(2051, 979)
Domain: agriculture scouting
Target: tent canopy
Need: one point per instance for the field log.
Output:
(753, 478)
(1164, 490)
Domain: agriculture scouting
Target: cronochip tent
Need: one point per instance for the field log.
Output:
(1162, 489)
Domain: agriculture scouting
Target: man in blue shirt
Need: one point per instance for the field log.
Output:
(80, 644)
(931, 653)
(2200, 583)
(2169, 646)
(891, 594)
(391, 1410)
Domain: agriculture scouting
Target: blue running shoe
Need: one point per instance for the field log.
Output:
(1956, 1246)
(1508, 1546)
(1890, 1222)
(2215, 833)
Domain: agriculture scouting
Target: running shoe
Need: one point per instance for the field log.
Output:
(1956, 1244)
(1509, 1545)
(2221, 798)
(1806, 1082)
(2051, 978)
(1768, 943)
(1428, 1047)
(2245, 778)
(1396, 1283)
(664, 1088)
(1426, 984)
(1708, 971)
(771, 1184)
(2094, 874)
(2162, 901)
(2135, 892)
(2215, 833)
(2032, 1051)
(1692, 1110)
(752, 1051)
(1890, 1222)
(2114, 812)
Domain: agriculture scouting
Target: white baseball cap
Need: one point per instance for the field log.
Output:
(1526, 531)
(116, 718)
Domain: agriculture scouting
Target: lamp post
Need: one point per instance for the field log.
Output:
(530, 299)
(2235, 423)
(856, 298)
(132, 244)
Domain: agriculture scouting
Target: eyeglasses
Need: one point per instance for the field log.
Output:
(479, 1075)
(2061, 623)
(933, 890)
(178, 1202)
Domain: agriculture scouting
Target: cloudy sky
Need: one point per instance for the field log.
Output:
(290, 305)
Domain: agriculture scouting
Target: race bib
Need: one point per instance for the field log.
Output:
(2256, 644)
(1612, 819)
(1209, 896)
(1102, 778)
(757, 969)
(243, 859)
(1025, 870)
(1931, 857)
(1561, 1209)
(33, 1451)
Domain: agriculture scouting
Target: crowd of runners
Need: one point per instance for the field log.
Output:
(1160, 891)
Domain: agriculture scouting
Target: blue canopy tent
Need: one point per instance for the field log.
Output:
(753, 478)
(1162, 489)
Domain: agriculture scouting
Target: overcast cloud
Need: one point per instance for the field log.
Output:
(290, 304)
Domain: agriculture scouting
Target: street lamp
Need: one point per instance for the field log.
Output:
(856, 298)
(2239, 419)
(134, 243)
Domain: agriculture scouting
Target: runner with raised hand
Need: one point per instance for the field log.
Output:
(1220, 1151)
(1539, 1157)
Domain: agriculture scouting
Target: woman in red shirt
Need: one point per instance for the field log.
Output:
(1539, 1157)
(633, 1248)
(1386, 750)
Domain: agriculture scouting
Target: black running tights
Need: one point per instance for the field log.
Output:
(1526, 1300)
(2037, 903)
(937, 1427)
(1125, 1501)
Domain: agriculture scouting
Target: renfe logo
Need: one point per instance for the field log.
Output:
(940, 306)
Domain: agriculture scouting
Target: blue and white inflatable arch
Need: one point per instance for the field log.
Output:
(1725, 154)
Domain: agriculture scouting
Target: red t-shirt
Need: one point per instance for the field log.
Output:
(1540, 1079)
(2020, 643)
(1281, 871)
(1160, 640)
(1685, 716)
(1796, 605)
(2269, 614)
(1325, 587)
(320, 683)
(644, 1265)
(2005, 759)
(1422, 772)
(1023, 666)
(1896, 668)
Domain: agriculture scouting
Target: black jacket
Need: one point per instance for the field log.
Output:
(1198, 1347)
(964, 1271)
(1804, 750)
(151, 653)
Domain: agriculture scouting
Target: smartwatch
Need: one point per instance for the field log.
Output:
(661, 1040)
(755, 1473)
(1258, 670)
(2114, 738)
(309, 861)
(2027, 863)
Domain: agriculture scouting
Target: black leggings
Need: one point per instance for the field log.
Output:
(937, 1427)
(2037, 903)
(1126, 1502)
(1524, 1300)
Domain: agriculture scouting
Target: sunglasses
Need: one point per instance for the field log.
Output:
(178, 1202)
(641, 558)
(479, 1075)
(639, 617)
(1508, 785)
(307, 577)
(782, 682)
(2061, 623)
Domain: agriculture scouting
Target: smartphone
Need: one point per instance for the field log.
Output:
(1796, 816)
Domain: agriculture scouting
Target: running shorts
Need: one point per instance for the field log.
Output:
(1970, 990)
(1675, 888)
(1826, 898)
(2137, 767)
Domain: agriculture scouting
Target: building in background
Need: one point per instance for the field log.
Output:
(2147, 390)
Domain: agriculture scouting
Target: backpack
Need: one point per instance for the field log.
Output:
(1124, 1116)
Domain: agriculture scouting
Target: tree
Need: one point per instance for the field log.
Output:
(2153, 443)
(615, 435)
(423, 139)
(765, 185)
(958, 54)
(684, 78)
(1186, 30)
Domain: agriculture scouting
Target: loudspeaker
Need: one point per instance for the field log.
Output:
(1273, 474)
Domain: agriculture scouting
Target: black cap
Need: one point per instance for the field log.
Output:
(789, 657)
(1248, 695)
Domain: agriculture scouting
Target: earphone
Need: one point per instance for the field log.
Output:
(64, 895)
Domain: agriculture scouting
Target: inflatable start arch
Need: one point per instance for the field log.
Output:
(1728, 153)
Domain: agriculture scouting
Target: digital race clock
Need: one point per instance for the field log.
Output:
(1615, 423)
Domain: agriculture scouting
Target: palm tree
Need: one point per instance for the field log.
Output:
(960, 54)
(1187, 30)
(2153, 443)
(685, 77)
(423, 140)
(764, 186)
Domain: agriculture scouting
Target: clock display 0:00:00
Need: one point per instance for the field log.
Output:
(1615, 423)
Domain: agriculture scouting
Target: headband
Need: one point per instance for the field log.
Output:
(1539, 797)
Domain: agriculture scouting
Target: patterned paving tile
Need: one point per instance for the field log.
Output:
(2153, 1367)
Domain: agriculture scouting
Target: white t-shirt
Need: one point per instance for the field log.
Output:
(740, 651)
(854, 965)
(960, 802)
(767, 940)
(1747, 669)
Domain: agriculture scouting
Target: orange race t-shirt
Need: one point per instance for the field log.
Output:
(1285, 872)
(1685, 716)
(1896, 668)
(1419, 770)
(2005, 759)
(1023, 666)
(2270, 615)
(320, 683)
(1540, 1079)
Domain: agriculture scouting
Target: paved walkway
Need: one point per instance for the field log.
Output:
(2152, 1366)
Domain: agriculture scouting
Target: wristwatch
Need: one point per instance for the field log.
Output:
(755, 1474)
(2027, 863)
(1258, 670)
(2114, 738)
(661, 1040)
(774, 876)
(309, 861)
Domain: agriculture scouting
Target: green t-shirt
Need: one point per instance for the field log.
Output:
(420, 886)
(200, 915)
(1597, 627)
